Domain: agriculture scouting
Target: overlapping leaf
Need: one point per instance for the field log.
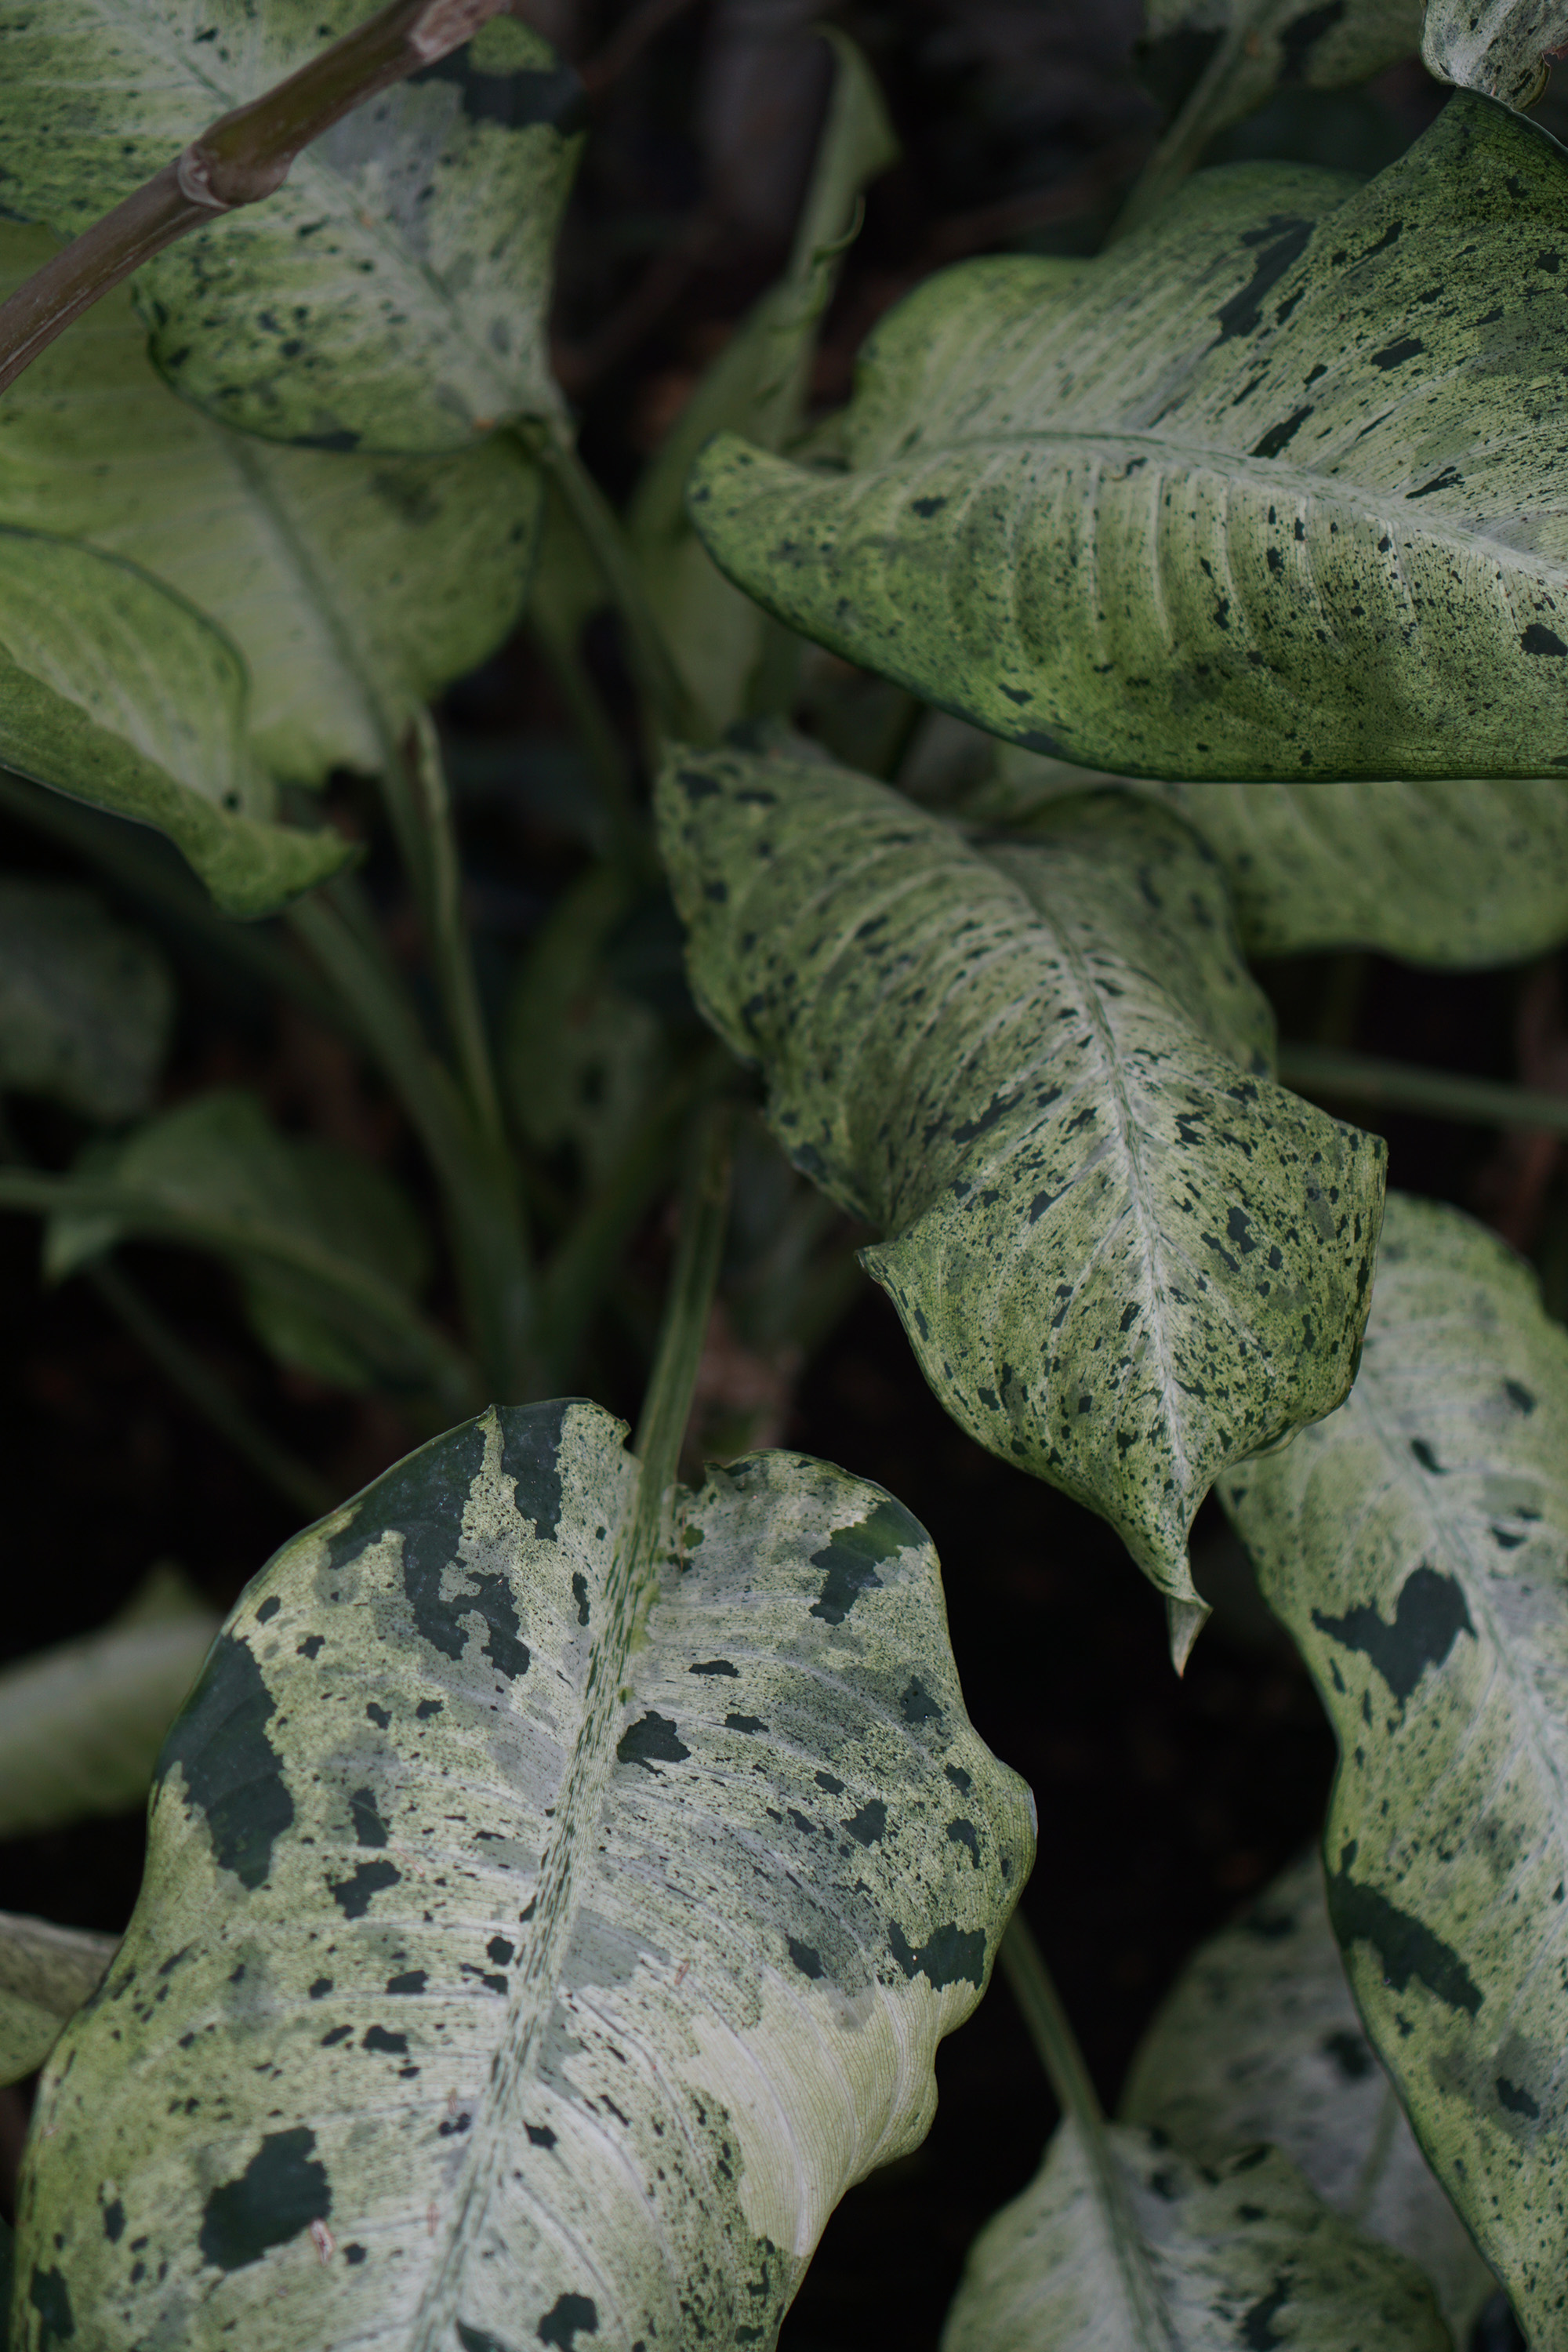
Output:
(528, 1952)
(1239, 2256)
(1414, 1545)
(1270, 490)
(1122, 1256)
(117, 691)
(391, 296)
(85, 1002)
(1500, 47)
(1289, 44)
(352, 586)
(1260, 2042)
(45, 1974)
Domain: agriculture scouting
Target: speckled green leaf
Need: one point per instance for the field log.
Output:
(391, 296)
(115, 690)
(1270, 490)
(1261, 2041)
(81, 1723)
(219, 1155)
(1291, 44)
(1457, 873)
(1123, 1257)
(1414, 1545)
(538, 1936)
(1496, 46)
(85, 1000)
(352, 586)
(45, 1974)
(1243, 2255)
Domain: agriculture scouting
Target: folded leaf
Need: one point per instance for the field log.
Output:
(1123, 1257)
(1500, 47)
(1264, 492)
(81, 1723)
(85, 1002)
(1290, 44)
(118, 692)
(1413, 1545)
(45, 1974)
(551, 1933)
(352, 586)
(219, 1155)
(391, 296)
(1242, 2253)
(1261, 2041)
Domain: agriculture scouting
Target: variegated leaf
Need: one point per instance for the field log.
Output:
(1501, 46)
(1289, 44)
(539, 1934)
(45, 1974)
(1416, 1546)
(1270, 490)
(1123, 1257)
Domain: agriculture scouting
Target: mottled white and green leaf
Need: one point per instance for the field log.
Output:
(391, 296)
(1497, 47)
(86, 1003)
(45, 1974)
(1416, 1546)
(538, 1937)
(1237, 2255)
(351, 586)
(1123, 1257)
(1270, 490)
(1261, 2041)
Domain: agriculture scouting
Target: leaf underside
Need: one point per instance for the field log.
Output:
(497, 1973)
(1414, 1545)
(1271, 490)
(1122, 1256)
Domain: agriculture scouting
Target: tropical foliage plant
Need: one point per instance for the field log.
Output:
(566, 1857)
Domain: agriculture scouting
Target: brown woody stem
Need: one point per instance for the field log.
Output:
(238, 160)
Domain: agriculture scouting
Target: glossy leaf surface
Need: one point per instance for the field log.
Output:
(45, 1974)
(352, 586)
(1243, 2255)
(81, 1723)
(552, 1933)
(1260, 2042)
(118, 692)
(1266, 492)
(391, 295)
(1122, 1256)
(86, 1003)
(1414, 1546)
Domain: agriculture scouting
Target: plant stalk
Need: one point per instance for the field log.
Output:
(1406, 1086)
(240, 159)
(1190, 134)
(704, 1215)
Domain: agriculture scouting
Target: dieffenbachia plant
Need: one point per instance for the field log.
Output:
(560, 1874)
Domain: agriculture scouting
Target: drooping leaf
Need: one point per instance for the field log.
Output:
(1501, 46)
(85, 1002)
(219, 1155)
(757, 386)
(1123, 1257)
(391, 296)
(1458, 873)
(1415, 1546)
(558, 1945)
(1289, 44)
(1260, 2042)
(115, 690)
(45, 1974)
(1265, 492)
(583, 1058)
(1243, 2255)
(352, 586)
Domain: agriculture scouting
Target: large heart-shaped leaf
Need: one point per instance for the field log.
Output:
(45, 1974)
(1267, 491)
(1123, 1257)
(1260, 2042)
(1414, 1546)
(1239, 2256)
(537, 1937)
(85, 1002)
(117, 691)
(352, 586)
(1457, 873)
(391, 295)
